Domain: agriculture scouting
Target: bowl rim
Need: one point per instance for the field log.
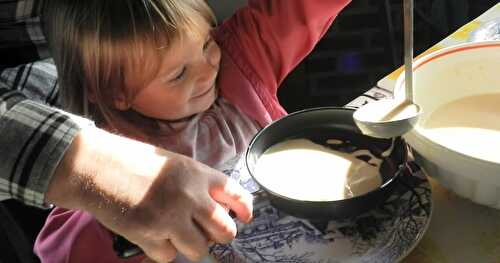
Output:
(382, 187)
(419, 62)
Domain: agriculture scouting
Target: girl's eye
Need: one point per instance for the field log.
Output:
(207, 44)
(180, 75)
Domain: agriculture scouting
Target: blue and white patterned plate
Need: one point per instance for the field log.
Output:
(385, 234)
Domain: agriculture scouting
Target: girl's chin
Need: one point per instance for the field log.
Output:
(209, 104)
(202, 105)
(202, 108)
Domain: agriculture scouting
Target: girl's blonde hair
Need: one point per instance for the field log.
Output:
(105, 49)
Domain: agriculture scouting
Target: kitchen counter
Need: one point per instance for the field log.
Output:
(459, 231)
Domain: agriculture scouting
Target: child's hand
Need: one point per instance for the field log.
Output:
(161, 201)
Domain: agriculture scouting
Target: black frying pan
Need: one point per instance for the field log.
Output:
(319, 125)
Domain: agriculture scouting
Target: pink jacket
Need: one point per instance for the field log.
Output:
(261, 44)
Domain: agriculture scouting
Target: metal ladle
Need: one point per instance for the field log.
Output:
(387, 118)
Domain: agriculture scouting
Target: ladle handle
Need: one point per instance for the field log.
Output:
(408, 48)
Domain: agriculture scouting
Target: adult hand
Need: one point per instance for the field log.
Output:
(161, 201)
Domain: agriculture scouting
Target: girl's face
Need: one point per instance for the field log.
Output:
(185, 83)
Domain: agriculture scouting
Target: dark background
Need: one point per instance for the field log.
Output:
(365, 44)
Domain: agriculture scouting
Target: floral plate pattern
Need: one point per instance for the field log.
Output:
(383, 235)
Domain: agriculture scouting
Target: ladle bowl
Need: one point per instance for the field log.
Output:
(385, 119)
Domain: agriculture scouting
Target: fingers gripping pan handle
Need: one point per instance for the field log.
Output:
(126, 249)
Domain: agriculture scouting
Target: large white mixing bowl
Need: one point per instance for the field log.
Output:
(441, 77)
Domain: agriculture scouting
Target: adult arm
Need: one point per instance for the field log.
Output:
(159, 200)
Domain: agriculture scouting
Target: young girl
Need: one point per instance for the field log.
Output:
(156, 70)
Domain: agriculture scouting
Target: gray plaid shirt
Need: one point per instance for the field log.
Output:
(34, 135)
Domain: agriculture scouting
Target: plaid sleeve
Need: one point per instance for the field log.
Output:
(33, 136)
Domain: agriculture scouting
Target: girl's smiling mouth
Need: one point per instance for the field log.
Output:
(205, 92)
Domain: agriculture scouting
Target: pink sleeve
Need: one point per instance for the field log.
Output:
(75, 236)
(272, 36)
